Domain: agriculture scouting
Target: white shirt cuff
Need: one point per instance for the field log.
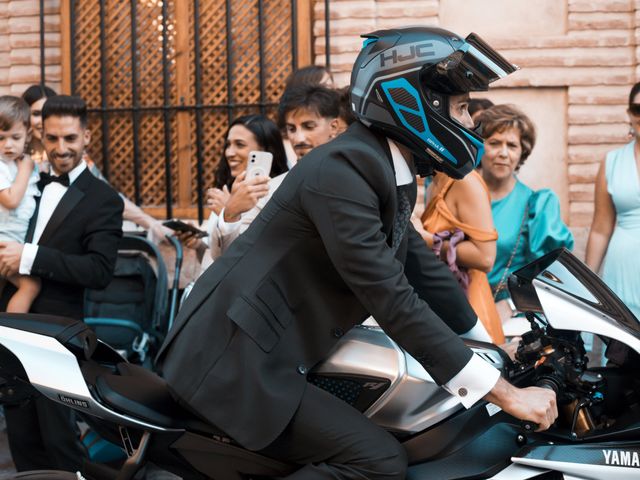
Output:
(478, 332)
(473, 382)
(29, 253)
(224, 226)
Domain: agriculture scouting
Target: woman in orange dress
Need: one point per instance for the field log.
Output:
(459, 213)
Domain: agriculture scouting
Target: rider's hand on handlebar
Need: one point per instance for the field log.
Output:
(532, 404)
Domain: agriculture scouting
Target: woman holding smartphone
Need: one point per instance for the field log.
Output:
(236, 200)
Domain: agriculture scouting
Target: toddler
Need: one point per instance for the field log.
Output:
(18, 188)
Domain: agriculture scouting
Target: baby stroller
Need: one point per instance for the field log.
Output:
(132, 314)
(135, 311)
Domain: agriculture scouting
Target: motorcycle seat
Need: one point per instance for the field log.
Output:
(71, 333)
(142, 394)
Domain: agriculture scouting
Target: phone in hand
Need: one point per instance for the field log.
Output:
(259, 164)
(180, 226)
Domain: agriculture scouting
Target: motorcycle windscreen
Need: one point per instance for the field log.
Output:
(470, 69)
(562, 274)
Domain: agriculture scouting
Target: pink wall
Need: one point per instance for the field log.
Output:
(20, 44)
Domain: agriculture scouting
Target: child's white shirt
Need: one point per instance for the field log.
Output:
(15, 222)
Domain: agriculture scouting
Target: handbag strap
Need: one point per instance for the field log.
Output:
(505, 274)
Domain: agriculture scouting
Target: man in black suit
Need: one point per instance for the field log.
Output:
(71, 245)
(332, 246)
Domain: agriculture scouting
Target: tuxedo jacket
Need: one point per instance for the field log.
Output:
(315, 262)
(78, 247)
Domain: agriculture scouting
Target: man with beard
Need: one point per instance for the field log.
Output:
(309, 116)
(71, 245)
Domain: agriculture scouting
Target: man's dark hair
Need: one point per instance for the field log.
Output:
(346, 113)
(36, 92)
(65, 106)
(13, 110)
(322, 101)
(309, 75)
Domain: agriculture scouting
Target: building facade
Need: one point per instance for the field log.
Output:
(578, 60)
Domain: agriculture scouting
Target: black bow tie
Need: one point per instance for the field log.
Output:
(46, 179)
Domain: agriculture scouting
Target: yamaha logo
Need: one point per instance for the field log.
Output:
(622, 458)
(73, 402)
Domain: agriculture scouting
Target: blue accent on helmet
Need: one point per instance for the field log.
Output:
(369, 41)
(479, 146)
(425, 134)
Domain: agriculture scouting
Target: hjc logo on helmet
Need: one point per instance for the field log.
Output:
(415, 51)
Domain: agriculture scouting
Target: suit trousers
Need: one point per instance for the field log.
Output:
(332, 440)
(43, 435)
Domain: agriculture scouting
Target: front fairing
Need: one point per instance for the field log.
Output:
(572, 297)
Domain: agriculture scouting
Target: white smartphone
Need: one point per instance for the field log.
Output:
(259, 164)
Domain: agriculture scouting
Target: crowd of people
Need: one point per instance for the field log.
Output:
(60, 222)
(484, 226)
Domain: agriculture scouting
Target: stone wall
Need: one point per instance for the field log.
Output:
(578, 60)
(20, 44)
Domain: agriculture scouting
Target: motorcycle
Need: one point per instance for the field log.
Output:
(596, 436)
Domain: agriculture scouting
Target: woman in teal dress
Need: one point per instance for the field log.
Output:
(615, 231)
(528, 222)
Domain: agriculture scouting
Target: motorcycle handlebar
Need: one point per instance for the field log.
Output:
(544, 382)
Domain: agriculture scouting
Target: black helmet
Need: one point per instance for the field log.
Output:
(401, 83)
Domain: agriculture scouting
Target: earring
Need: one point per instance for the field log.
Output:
(632, 132)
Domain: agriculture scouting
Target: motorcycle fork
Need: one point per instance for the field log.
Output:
(135, 456)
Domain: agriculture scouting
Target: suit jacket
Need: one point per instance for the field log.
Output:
(78, 246)
(314, 263)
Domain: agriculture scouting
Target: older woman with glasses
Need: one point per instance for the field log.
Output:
(615, 230)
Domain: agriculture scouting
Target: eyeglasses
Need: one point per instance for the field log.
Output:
(634, 109)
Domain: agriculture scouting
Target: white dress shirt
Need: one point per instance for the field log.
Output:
(478, 377)
(51, 196)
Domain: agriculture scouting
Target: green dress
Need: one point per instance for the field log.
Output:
(542, 230)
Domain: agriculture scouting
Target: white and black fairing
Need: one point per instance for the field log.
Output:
(126, 404)
(562, 288)
(597, 435)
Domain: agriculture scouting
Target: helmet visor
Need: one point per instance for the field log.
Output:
(469, 69)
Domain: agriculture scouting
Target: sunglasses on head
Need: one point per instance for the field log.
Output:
(634, 109)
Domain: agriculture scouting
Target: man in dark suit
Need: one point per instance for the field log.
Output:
(334, 245)
(71, 245)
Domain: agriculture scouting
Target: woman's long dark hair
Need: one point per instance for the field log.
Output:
(269, 139)
(31, 95)
(35, 92)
